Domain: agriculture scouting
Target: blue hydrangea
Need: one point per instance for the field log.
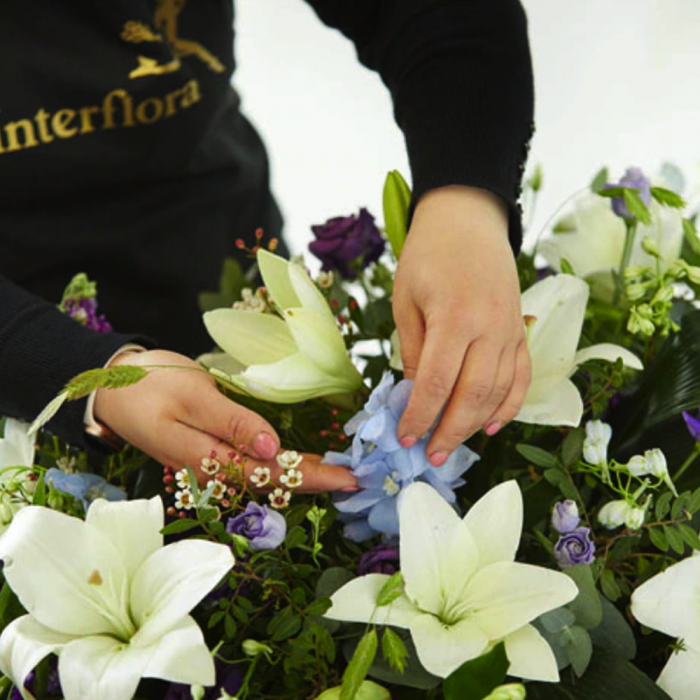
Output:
(84, 487)
(383, 468)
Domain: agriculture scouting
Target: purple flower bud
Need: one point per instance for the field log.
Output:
(693, 424)
(575, 547)
(266, 529)
(345, 240)
(383, 559)
(85, 311)
(565, 517)
(634, 177)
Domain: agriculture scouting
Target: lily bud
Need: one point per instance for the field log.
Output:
(510, 691)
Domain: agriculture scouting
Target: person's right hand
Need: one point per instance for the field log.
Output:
(177, 416)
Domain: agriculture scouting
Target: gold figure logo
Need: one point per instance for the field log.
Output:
(166, 31)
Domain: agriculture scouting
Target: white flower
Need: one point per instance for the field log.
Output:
(183, 479)
(558, 305)
(210, 466)
(289, 359)
(595, 452)
(592, 238)
(251, 301)
(289, 459)
(670, 603)
(652, 463)
(260, 476)
(108, 598)
(292, 479)
(617, 513)
(184, 499)
(16, 457)
(279, 499)
(599, 431)
(218, 489)
(463, 591)
(325, 279)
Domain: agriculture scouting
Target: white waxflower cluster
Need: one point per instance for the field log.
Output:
(184, 499)
(252, 301)
(291, 478)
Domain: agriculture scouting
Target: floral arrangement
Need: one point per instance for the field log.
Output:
(551, 561)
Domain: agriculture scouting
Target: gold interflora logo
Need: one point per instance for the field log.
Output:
(166, 31)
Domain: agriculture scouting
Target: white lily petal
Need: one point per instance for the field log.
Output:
(356, 601)
(275, 273)
(670, 601)
(17, 434)
(552, 402)
(558, 303)
(132, 526)
(51, 558)
(609, 352)
(680, 677)
(441, 553)
(23, 644)
(293, 379)
(172, 581)
(496, 522)
(444, 648)
(181, 656)
(507, 596)
(308, 293)
(530, 656)
(101, 667)
(222, 362)
(250, 337)
(9, 457)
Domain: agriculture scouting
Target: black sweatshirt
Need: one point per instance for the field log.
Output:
(123, 154)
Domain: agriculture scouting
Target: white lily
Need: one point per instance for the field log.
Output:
(108, 598)
(592, 238)
(558, 305)
(16, 455)
(463, 592)
(670, 603)
(299, 356)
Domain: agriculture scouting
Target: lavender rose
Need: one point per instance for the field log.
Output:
(575, 547)
(383, 559)
(266, 529)
(634, 177)
(565, 517)
(345, 240)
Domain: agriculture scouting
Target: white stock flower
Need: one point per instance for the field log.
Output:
(595, 444)
(289, 359)
(670, 603)
(558, 305)
(593, 237)
(463, 592)
(652, 463)
(16, 455)
(108, 598)
(617, 513)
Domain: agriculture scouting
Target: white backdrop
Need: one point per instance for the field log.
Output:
(616, 84)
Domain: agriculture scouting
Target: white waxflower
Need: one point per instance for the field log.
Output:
(289, 459)
(210, 466)
(218, 489)
(182, 478)
(251, 301)
(292, 478)
(325, 279)
(260, 477)
(279, 499)
(184, 500)
(620, 512)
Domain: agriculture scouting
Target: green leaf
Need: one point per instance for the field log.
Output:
(636, 206)
(536, 455)
(535, 180)
(586, 606)
(663, 505)
(181, 525)
(231, 284)
(394, 650)
(614, 632)
(284, 625)
(230, 627)
(679, 505)
(658, 539)
(675, 539)
(318, 607)
(296, 537)
(612, 192)
(600, 180)
(690, 536)
(558, 478)
(573, 447)
(566, 267)
(397, 200)
(332, 580)
(578, 647)
(39, 497)
(475, 679)
(667, 197)
(558, 619)
(609, 585)
(391, 590)
(359, 665)
(691, 236)
(367, 691)
(107, 378)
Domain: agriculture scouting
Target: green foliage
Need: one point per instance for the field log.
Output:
(667, 197)
(80, 287)
(475, 679)
(397, 200)
(391, 590)
(394, 650)
(359, 665)
(107, 378)
(602, 177)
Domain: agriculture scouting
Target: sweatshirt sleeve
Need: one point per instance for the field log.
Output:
(460, 75)
(41, 349)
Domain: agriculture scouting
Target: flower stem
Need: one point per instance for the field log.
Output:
(630, 235)
(691, 458)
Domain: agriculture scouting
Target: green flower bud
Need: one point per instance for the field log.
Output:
(693, 273)
(636, 291)
(253, 648)
(665, 294)
(649, 246)
(510, 691)
(197, 692)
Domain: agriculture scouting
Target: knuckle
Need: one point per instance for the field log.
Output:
(478, 392)
(435, 386)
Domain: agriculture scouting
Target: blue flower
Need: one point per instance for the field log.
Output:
(265, 528)
(383, 468)
(84, 487)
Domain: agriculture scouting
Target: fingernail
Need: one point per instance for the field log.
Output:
(350, 489)
(408, 441)
(437, 459)
(492, 429)
(265, 446)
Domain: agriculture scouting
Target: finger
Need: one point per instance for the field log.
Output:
(439, 366)
(513, 402)
(224, 419)
(483, 383)
(409, 324)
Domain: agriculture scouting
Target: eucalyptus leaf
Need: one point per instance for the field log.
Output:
(586, 606)
(614, 632)
(578, 647)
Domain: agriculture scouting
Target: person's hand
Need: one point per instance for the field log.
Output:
(178, 417)
(457, 309)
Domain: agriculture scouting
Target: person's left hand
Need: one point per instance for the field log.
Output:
(457, 310)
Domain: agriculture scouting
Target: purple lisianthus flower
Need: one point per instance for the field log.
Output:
(575, 547)
(383, 559)
(565, 517)
(84, 487)
(693, 424)
(634, 177)
(347, 240)
(85, 311)
(265, 528)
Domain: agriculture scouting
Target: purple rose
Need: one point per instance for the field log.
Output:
(345, 240)
(265, 528)
(634, 177)
(565, 517)
(575, 547)
(693, 424)
(383, 559)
